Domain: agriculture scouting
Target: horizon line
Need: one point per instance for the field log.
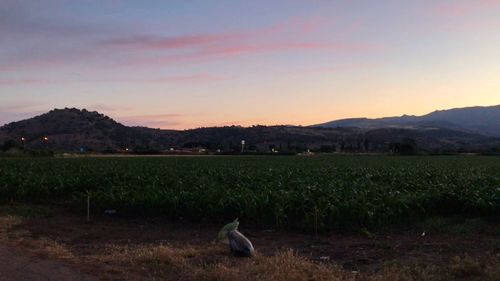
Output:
(116, 119)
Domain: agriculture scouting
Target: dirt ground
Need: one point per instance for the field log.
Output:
(17, 264)
(56, 242)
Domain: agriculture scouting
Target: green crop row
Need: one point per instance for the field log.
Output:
(323, 193)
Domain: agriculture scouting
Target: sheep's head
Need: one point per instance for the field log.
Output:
(226, 229)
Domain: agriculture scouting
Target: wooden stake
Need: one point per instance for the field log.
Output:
(316, 222)
(88, 207)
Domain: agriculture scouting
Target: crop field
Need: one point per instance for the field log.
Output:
(318, 193)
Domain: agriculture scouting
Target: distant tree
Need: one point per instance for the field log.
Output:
(342, 145)
(366, 145)
(327, 148)
(10, 144)
(405, 147)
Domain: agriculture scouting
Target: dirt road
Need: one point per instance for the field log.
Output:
(16, 265)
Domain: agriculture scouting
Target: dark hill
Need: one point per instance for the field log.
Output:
(72, 129)
(478, 120)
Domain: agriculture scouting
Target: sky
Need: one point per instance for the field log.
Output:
(189, 63)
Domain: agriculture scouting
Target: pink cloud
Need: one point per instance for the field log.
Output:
(20, 106)
(199, 77)
(239, 49)
(11, 112)
(8, 82)
(105, 107)
(461, 8)
(278, 37)
(309, 25)
(162, 121)
(466, 16)
(285, 46)
(137, 50)
(200, 40)
(340, 67)
(195, 77)
(168, 42)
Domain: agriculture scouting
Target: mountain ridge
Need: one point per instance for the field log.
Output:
(74, 130)
(484, 120)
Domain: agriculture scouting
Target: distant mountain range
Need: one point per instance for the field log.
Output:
(478, 120)
(473, 129)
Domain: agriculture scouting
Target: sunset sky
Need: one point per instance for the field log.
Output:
(185, 64)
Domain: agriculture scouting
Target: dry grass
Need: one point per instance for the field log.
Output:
(47, 247)
(8, 229)
(158, 262)
(460, 268)
(284, 266)
(405, 273)
(469, 268)
(213, 262)
(7, 223)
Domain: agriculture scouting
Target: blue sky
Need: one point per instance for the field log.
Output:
(184, 64)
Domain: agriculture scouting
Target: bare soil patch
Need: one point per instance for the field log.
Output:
(17, 264)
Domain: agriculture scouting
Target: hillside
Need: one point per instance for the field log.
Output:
(479, 120)
(72, 130)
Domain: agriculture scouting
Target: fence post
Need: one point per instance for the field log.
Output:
(88, 206)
